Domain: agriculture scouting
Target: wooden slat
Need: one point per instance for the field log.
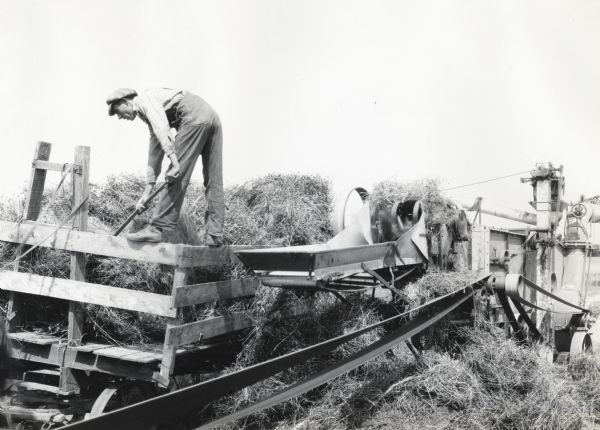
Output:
(36, 338)
(129, 354)
(144, 357)
(33, 203)
(91, 243)
(44, 372)
(188, 295)
(31, 211)
(115, 352)
(118, 247)
(212, 327)
(90, 347)
(69, 379)
(47, 165)
(169, 354)
(36, 386)
(86, 292)
(206, 329)
(197, 256)
(56, 355)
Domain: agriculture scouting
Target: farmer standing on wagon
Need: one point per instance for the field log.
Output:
(198, 133)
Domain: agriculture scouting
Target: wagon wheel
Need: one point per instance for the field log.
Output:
(581, 343)
(120, 395)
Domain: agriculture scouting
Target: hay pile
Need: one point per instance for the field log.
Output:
(435, 284)
(272, 210)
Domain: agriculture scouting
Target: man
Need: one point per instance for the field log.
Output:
(198, 133)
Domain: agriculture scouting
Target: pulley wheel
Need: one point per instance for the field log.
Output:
(581, 343)
(341, 205)
(120, 395)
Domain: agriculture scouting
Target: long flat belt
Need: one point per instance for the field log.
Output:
(512, 283)
(169, 407)
(377, 348)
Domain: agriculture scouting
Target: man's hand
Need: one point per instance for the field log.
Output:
(172, 173)
(141, 204)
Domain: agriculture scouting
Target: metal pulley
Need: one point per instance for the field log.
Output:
(379, 223)
(388, 223)
(341, 209)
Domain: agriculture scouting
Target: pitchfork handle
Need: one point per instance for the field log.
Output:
(137, 212)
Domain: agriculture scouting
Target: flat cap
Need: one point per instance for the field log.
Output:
(118, 95)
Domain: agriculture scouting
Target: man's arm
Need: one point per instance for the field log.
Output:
(159, 127)
(155, 158)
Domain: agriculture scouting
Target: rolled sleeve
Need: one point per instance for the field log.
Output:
(158, 123)
(155, 158)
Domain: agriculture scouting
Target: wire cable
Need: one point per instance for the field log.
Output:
(487, 180)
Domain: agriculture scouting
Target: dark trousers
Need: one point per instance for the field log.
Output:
(197, 135)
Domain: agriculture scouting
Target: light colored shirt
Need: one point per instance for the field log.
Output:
(151, 106)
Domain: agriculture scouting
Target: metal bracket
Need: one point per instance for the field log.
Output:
(77, 169)
(385, 283)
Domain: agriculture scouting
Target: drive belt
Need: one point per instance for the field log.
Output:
(178, 404)
(377, 348)
(513, 282)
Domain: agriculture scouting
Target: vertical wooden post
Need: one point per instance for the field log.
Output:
(68, 377)
(167, 364)
(31, 211)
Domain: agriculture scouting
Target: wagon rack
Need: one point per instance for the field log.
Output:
(66, 369)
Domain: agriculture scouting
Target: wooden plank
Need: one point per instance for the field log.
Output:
(90, 347)
(80, 222)
(199, 256)
(36, 338)
(33, 202)
(56, 167)
(212, 327)
(130, 354)
(144, 357)
(167, 365)
(69, 379)
(206, 329)
(91, 243)
(188, 295)
(103, 295)
(45, 372)
(116, 352)
(56, 355)
(36, 386)
(31, 211)
(118, 247)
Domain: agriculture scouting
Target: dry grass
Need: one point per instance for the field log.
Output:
(447, 381)
(435, 284)
(276, 209)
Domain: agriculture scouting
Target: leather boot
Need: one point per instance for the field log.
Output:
(213, 241)
(147, 234)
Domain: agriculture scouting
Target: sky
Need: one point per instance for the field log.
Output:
(355, 91)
